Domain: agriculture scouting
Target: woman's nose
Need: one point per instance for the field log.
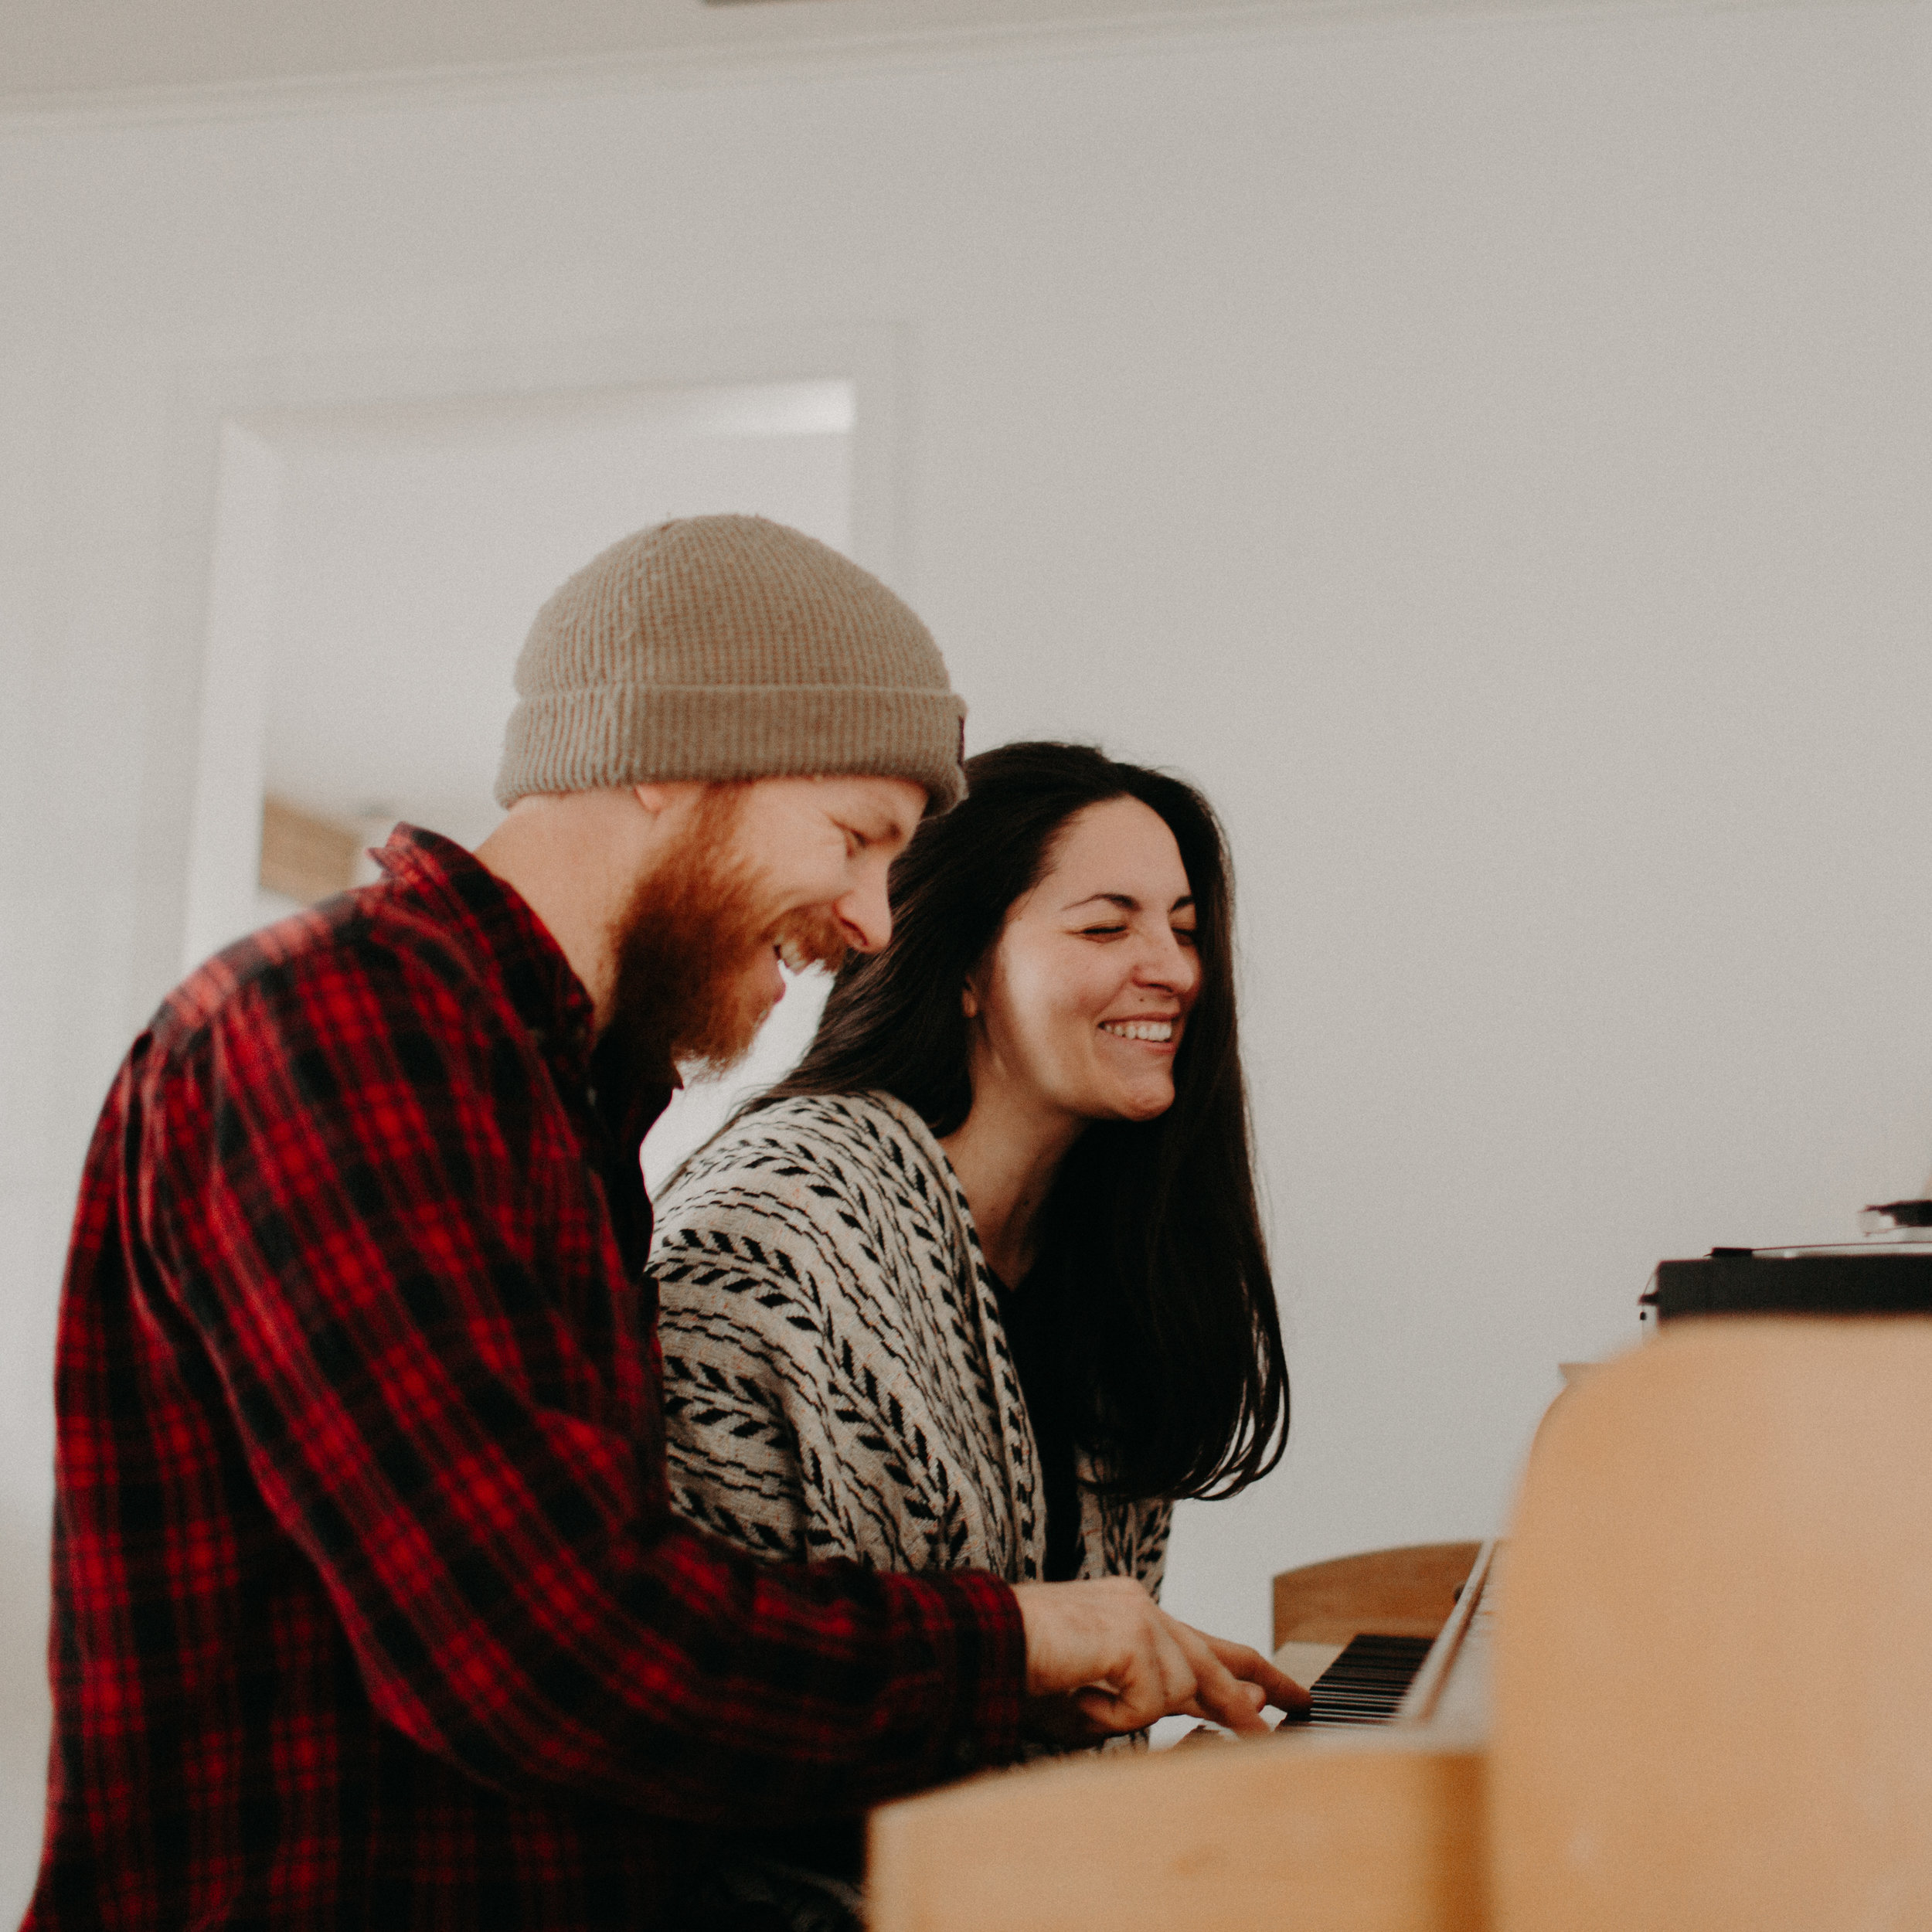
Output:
(1168, 963)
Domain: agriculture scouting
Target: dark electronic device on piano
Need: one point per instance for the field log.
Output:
(1888, 1274)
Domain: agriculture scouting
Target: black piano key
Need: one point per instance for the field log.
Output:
(1367, 1682)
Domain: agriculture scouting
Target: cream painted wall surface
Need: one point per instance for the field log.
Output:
(1490, 455)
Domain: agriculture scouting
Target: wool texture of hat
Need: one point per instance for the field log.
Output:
(726, 648)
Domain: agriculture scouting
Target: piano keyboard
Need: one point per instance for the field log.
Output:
(1366, 1683)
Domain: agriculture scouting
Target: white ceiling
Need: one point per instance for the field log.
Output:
(54, 52)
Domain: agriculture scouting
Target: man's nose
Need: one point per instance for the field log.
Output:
(866, 914)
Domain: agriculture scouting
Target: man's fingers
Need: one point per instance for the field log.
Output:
(1218, 1693)
(1239, 1682)
(1180, 1666)
(1226, 1699)
(1125, 1663)
(1277, 1687)
(1157, 1679)
(1102, 1709)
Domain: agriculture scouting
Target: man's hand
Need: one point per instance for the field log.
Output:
(1109, 1649)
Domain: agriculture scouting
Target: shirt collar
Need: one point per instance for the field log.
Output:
(496, 921)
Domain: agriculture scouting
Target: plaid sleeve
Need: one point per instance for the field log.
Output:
(372, 1210)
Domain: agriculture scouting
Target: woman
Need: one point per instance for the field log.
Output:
(982, 1283)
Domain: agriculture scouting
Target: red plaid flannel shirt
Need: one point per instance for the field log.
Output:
(370, 1610)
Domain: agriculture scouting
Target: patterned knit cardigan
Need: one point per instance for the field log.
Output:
(837, 1380)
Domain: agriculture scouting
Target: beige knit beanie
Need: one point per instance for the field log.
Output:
(728, 647)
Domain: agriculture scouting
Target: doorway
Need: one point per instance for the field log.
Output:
(375, 568)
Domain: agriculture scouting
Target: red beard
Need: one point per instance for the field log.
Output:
(691, 947)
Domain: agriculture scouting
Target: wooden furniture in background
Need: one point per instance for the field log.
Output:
(1397, 1592)
(306, 858)
(1712, 1704)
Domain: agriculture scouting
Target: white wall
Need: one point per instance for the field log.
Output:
(1490, 454)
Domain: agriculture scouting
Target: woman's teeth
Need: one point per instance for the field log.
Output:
(1147, 1030)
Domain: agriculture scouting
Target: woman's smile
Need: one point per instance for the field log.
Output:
(1147, 1033)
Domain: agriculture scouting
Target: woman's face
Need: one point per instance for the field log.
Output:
(1080, 1006)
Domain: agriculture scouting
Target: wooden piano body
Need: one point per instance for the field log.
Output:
(1711, 1640)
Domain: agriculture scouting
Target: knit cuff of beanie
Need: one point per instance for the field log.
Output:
(632, 734)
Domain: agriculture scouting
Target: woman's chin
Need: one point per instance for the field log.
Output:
(1145, 1102)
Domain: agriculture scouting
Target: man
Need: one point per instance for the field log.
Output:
(370, 1610)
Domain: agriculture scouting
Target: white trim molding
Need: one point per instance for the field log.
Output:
(201, 816)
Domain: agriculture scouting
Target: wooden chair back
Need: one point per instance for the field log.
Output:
(1713, 1690)
(1396, 1592)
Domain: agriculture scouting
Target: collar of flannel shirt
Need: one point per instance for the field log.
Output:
(495, 920)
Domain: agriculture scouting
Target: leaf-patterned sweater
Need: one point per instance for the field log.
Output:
(838, 1383)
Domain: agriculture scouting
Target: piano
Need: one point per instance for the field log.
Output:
(1691, 1692)
(1372, 1807)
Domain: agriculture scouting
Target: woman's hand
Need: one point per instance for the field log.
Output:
(1110, 1650)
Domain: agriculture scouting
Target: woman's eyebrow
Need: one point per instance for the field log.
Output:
(1127, 901)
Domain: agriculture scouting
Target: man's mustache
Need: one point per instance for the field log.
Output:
(812, 936)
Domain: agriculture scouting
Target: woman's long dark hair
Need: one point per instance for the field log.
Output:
(1162, 1311)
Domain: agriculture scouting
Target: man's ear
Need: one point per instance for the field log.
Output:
(665, 799)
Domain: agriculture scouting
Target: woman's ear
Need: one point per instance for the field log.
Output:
(969, 1001)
